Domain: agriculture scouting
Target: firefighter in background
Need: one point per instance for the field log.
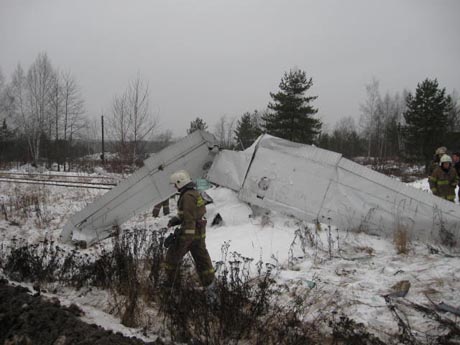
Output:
(444, 179)
(456, 165)
(191, 236)
(157, 208)
(440, 151)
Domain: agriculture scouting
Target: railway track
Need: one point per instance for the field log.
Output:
(46, 175)
(71, 181)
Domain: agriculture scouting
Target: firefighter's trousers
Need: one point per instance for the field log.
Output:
(195, 243)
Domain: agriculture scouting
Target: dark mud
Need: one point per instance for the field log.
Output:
(27, 318)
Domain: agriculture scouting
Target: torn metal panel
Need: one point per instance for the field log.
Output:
(313, 184)
(146, 187)
(230, 167)
(289, 177)
(375, 203)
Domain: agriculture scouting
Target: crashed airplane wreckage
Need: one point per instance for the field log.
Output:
(302, 181)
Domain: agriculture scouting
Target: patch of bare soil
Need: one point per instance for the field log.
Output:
(27, 319)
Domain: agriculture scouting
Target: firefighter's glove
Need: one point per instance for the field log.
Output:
(169, 240)
(174, 221)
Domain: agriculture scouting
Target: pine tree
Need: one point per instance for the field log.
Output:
(292, 116)
(426, 119)
(197, 124)
(247, 129)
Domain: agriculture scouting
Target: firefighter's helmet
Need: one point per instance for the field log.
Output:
(441, 151)
(180, 179)
(445, 159)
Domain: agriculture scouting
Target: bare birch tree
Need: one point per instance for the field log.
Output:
(143, 122)
(46, 105)
(165, 138)
(20, 110)
(92, 135)
(3, 97)
(73, 107)
(119, 125)
(454, 112)
(224, 132)
(2, 90)
(390, 114)
(369, 113)
(56, 102)
(132, 122)
(39, 84)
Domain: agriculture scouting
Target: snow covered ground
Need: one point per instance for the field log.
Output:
(339, 270)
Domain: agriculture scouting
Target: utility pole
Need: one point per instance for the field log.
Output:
(102, 126)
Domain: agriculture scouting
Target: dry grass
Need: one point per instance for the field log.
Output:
(401, 239)
(26, 203)
(365, 249)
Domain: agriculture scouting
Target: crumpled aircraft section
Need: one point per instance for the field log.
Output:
(313, 184)
(142, 190)
(304, 181)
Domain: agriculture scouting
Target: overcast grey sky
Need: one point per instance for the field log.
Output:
(210, 58)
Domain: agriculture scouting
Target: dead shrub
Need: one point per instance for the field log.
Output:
(24, 204)
(366, 223)
(124, 270)
(446, 237)
(134, 265)
(303, 238)
(347, 331)
(37, 262)
(366, 249)
(401, 239)
(251, 307)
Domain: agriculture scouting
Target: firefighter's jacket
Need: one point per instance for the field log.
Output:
(443, 183)
(191, 209)
(457, 169)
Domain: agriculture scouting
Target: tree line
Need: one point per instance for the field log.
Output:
(42, 113)
(404, 126)
(290, 115)
(43, 117)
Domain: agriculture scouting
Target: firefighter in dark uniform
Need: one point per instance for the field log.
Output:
(440, 151)
(191, 209)
(444, 179)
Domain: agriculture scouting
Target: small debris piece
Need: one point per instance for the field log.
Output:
(448, 308)
(400, 289)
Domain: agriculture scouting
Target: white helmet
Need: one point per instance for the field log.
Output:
(180, 179)
(445, 159)
(441, 150)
